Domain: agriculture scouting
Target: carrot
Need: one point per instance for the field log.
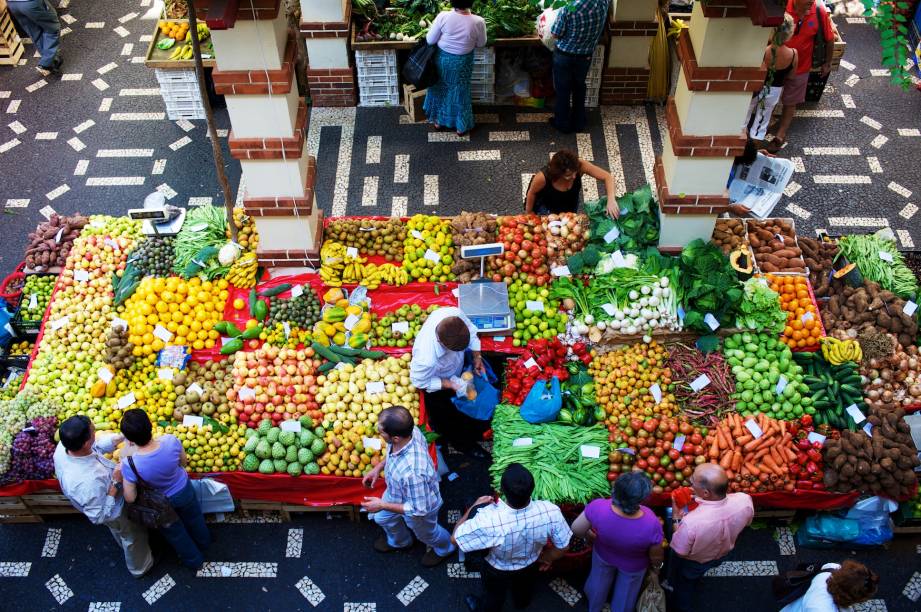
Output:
(783, 428)
(721, 439)
(770, 464)
(726, 461)
(736, 424)
(744, 439)
(736, 461)
(754, 471)
(753, 445)
(714, 452)
(775, 455)
(761, 452)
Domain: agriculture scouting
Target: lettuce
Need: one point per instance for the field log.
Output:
(760, 308)
(708, 285)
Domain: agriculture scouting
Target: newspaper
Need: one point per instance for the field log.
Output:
(760, 184)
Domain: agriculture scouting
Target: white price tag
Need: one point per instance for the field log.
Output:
(297, 291)
(815, 436)
(195, 388)
(530, 363)
(105, 375)
(293, 426)
(656, 392)
(553, 224)
(609, 309)
(112, 244)
(351, 252)
(198, 227)
(400, 327)
(432, 256)
(97, 223)
(868, 429)
(781, 385)
(162, 333)
(618, 259)
(190, 420)
(711, 321)
(807, 316)
(59, 323)
(885, 256)
(909, 308)
(286, 327)
(225, 340)
(33, 302)
(560, 271)
(81, 276)
(374, 443)
(57, 237)
(118, 323)
(374, 388)
(522, 442)
(499, 338)
(126, 400)
(535, 305)
(165, 374)
(9, 329)
(754, 428)
(351, 321)
(678, 444)
(590, 452)
(612, 235)
(700, 382)
(855, 413)
(416, 234)
(246, 393)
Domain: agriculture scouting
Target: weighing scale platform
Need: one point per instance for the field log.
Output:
(486, 305)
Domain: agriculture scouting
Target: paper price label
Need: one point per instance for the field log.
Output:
(499, 338)
(814, 437)
(432, 256)
(293, 426)
(351, 252)
(126, 400)
(560, 271)
(530, 363)
(781, 385)
(681, 314)
(886, 256)
(374, 443)
(700, 382)
(711, 321)
(535, 305)
(400, 327)
(198, 227)
(656, 391)
(781, 238)
(609, 309)
(868, 429)
(286, 327)
(112, 244)
(351, 321)
(9, 329)
(81, 276)
(909, 308)
(33, 302)
(225, 340)
(246, 393)
(678, 444)
(590, 452)
(195, 388)
(59, 323)
(165, 374)
(162, 333)
(297, 291)
(754, 428)
(855, 413)
(105, 375)
(416, 234)
(118, 323)
(190, 420)
(612, 235)
(374, 388)
(57, 237)
(522, 442)
(553, 224)
(618, 258)
(807, 316)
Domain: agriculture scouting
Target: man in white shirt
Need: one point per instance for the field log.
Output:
(438, 361)
(516, 532)
(93, 484)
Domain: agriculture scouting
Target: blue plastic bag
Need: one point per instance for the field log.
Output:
(543, 402)
(487, 395)
(6, 329)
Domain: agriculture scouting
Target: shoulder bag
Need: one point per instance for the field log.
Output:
(151, 508)
(793, 584)
(819, 45)
(420, 69)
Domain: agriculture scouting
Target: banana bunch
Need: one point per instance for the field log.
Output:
(375, 275)
(332, 263)
(183, 52)
(243, 272)
(838, 351)
(340, 265)
(203, 33)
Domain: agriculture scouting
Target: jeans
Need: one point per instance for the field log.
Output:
(683, 575)
(397, 527)
(569, 73)
(189, 535)
(497, 582)
(627, 586)
(40, 21)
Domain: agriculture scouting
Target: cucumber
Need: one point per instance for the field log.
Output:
(326, 353)
(345, 351)
(366, 354)
(275, 290)
(326, 367)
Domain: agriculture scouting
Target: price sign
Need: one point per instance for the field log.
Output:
(807, 316)
(286, 327)
(118, 323)
(815, 436)
(9, 329)
(105, 375)
(612, 235)
(432, 256)
(754, 428)
(678, 444)
(530, 363)
(33, 302)
(656, 392)
(416, 234)
(553, 224)
(499, 338)
(293, 426)
(781, 385)
(198, 227)
(297, 291)
(351, 321)
(111, 243)
(711, 321)
(590, 452)
(57, 237)
(351, 252)
(868, 429)
(374, 388)
(225, 340)
(618, 258)
(522, 442)
(246, 393)
(400, 326)
(126, 400)
(700, 382)
(560, 271)
(885, 256)
(195, 388)
(535, 305)
(165, 374)
(855, 413)
(59, 323)
(609, 309)
(190, 420)
(374, 443)
(781, 238)
(81, 276)
(909, 308)
(162, 333)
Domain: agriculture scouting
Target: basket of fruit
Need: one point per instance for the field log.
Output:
(36, 294)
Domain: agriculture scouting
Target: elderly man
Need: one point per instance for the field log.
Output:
(705, 535)
(438, 361)
(412, 499)
(515, 532)
(93, 484)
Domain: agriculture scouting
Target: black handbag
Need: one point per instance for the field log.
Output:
(793, 584)
(820, 44)
(151, 508)
(420, 69)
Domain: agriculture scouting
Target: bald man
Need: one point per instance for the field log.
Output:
(704, 536)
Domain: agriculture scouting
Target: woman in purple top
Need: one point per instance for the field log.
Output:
(627, 539)
(161, 465)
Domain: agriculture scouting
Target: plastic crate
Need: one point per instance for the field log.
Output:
(486, 55)
(379, 95)
(377, 82)
(175, 76)
(365, 59)
(591, 100)
(483, 73)
(185, 110)
(377, 72)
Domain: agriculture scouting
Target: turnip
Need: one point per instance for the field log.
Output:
(601, 325)
(645, 290)
(634, 295)
(664, 281)
(589, 319)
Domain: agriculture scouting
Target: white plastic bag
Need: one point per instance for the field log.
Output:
(544, 24)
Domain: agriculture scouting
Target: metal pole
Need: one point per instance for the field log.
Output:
(215, 143)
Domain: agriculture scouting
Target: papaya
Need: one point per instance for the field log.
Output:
(98, 389)
(333, 295)
(232, 347)
(334, 314)
(358, 340)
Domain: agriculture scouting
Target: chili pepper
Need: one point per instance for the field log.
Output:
(806, 420)
(811, 467)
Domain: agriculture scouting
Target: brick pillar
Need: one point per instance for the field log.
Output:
(330, 76)
(633, 28)
(255, 73)
(705, 118)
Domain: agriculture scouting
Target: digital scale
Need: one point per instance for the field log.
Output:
(485, 302)
(160, 219)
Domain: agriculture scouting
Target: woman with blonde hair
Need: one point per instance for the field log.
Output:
(783, 60)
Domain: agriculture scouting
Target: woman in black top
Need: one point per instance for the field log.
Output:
(558, 186)
(784, 60)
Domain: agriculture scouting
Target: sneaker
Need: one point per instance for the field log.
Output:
(432, 559)
(381, 545)
(43, 71)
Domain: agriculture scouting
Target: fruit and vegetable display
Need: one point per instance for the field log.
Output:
(341, 264)
(36, 293)
(525, 256)
(153, 256)
(543, 360)
(835, 387)
(120, 352)
(428, 249)
(202, 390)
(383, 238)
(274, 383)
(819, 256)
(712, 398)
(775, 247)
(567, 234)
(293, 451)
(803, 328)
(409, 20)
(201, 247)
(211, 447)
(709, 289)
(729, 235)
(755, 452)
(32, 452)
(398, 328)
(761, 307)
(866, 309)
(15, 414)
(471, 229)
(51, 242)
(666, 449)
(894, 378)
(290, 320)
(18, 349)
(879, 260)
(537, 314)
(9, 388)
(636, 229)
(634, 381)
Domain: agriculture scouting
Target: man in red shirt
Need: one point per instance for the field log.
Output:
(806, 15)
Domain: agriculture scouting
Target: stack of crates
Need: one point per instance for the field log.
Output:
(378, 78)
(483, 83)
(179, 89)
(593, 80)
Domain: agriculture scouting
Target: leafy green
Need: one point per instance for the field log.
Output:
(638, 223)
(584, 262)
(708, 285)
(760, 308)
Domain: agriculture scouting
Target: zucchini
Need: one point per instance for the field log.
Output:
(346, 351)
(326, 367)
(272, 292)
(366, 354)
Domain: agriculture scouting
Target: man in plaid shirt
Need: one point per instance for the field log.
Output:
(412, 499)
(577, 29)
(515, 531)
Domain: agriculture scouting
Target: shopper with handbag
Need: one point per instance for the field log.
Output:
(154, 468)
(834, 587)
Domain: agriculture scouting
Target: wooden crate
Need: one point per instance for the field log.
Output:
(412, 103)
(49, 503)
(14, 510)
(10, 44)
(285, 510)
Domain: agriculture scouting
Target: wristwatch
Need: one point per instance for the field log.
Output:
(118, 487)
